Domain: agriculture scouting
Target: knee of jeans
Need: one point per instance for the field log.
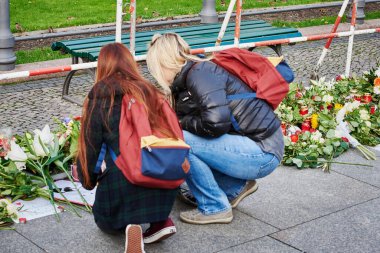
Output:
(268, 168)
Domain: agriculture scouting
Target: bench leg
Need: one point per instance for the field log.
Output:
(66, 84)
(276, 48)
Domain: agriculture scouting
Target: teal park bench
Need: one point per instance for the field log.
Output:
(199, 36)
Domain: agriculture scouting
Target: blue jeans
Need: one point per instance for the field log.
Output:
(220, 168)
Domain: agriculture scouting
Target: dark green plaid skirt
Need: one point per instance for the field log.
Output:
(119, 203)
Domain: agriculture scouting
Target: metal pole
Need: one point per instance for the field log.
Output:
(119, 20)
(360, 15)
(239, 4)
(7, 41)
(132, 36)
(351, 39)
(208, 13)
(225, 22)
(333, 30)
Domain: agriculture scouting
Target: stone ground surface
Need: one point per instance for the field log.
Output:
(293, 210)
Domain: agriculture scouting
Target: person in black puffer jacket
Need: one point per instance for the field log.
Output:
(233, 140)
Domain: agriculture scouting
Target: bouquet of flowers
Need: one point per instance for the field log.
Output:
(322, 121)
(28, 164)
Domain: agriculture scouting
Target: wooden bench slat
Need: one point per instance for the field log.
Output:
(197, 36)
(200, 40)
(93, 53)
(190, 35)
(151, 33)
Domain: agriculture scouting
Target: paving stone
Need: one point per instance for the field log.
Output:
(210, 238)
(71, 234)
(355, 229)
(370, 175)
(261, 245)
(289, 196)
(12, 242)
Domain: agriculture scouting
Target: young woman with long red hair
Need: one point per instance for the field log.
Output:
(119, 203)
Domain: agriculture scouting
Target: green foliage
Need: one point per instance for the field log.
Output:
(37, 55)
(42, 14)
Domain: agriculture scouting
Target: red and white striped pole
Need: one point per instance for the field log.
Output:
(333, 30)
(351, 38)
(239, 4)
(225, 22)
(194, 51)
(132, 36)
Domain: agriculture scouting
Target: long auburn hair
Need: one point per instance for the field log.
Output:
(117, 70)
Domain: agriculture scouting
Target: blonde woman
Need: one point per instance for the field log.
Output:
(234, 140)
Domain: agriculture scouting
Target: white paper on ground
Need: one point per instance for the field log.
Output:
(33, 209)
(73, 196)
(377, 147)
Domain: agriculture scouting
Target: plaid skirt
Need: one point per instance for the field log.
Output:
(119, 203)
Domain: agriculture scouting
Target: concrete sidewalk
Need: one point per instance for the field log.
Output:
(293, 211)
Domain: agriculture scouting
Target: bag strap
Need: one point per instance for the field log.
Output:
(102, 155)
(241, 96)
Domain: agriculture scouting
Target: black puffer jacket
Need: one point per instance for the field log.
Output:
(200, 91)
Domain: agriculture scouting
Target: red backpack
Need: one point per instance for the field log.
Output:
(269, 82)
(147, 158)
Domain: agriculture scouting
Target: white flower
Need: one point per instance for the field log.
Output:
(364, 115)
(377, 72)
(61, 139)
(352, 106)
(338, 134)
(11, 209)
(316, 136)
(327, 98)
(45, 135)
(368, 124)
(17, 155)
(38, 148)
(376, 90)
(321, 140)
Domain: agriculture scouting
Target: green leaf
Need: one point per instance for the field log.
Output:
(328, 150)
(336, 143)
(354, 123)
(297, 162)
(330, 134)
(6, 192)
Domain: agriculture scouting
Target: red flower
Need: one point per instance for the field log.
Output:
(329, 107)
(312, 130)
(294, 138)
(298, 132)
(345, 139)
(298, 94)
(77, 118)
(338, 78)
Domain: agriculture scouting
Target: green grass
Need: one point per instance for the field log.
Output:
(320, 21)
(39, 54)
(41, 14)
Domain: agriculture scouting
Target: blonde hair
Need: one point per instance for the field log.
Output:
(169, 51)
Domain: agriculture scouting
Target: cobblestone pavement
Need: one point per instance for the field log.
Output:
(30, 105)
